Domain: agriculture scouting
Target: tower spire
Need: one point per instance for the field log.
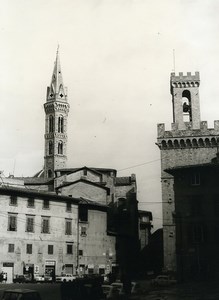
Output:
(56, 90)
(56, 113)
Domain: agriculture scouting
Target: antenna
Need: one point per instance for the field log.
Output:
(174, 65)
(14, 166)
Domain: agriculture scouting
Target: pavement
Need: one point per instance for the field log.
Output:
(204, 290)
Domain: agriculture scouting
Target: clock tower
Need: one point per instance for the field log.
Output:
(56, 112)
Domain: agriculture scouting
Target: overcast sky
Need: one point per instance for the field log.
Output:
(116, 58)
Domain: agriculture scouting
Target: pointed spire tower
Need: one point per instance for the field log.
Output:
(56, 110)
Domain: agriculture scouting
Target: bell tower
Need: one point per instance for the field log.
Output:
(185, 97)
(56, 112)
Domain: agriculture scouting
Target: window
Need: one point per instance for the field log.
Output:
(85, 172)
(30, 202)
(68, 226)
(61, 124)
(60, 147)
(83, 231)
(13, 200)
(11, 248)
(29, 249)
(90, 271)
(195, 179)
(12, 222)
(45, 225)
(197, 234)
(69, 249)
(145, 219)
(50, 147)
(83, 213)
(30, 223)
(51, 123)
(186, 102)
(50, 249)
(101, 271)
(80, 252)
(45, 204)
(50, 173)
(68, 206)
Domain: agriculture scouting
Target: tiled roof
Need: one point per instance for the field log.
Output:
(72, 170)
(204, 165)
(37, 180)
(97, 184)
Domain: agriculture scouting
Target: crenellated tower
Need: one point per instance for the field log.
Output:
(56, 112)
(189, 143)
(185, 97)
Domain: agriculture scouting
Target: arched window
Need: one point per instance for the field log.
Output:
(207, 142)
(51, 123)
(182, 144)
(164, 145)
(188, 143)
(50, 147)
(194, 143)
(213, 142)
(201, 142)
(186, 103)
(49, 173)
(176, 144)
(61, 124)
(60, 147)
(170, 144)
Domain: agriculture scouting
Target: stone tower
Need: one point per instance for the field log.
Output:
(185, 96)
(56, 112)
(189, 142)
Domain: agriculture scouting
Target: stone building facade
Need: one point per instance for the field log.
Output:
(189, 142)
(196, 218)
(43, 233)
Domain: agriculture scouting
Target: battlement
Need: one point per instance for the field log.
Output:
(188, 131)
(187, 77)
(187, 80)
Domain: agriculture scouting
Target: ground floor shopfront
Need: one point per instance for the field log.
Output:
(52, 268)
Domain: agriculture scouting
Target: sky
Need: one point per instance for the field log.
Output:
(116, 58)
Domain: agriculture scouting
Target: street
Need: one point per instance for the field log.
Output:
(186, 291)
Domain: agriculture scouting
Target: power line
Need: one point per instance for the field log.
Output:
(139, 165)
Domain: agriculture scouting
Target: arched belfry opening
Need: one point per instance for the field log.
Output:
(185, 98)
(186, 103)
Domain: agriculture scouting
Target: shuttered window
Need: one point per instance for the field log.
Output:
(45, 225)
(12, 222)
(30, 224)
(29, 249)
